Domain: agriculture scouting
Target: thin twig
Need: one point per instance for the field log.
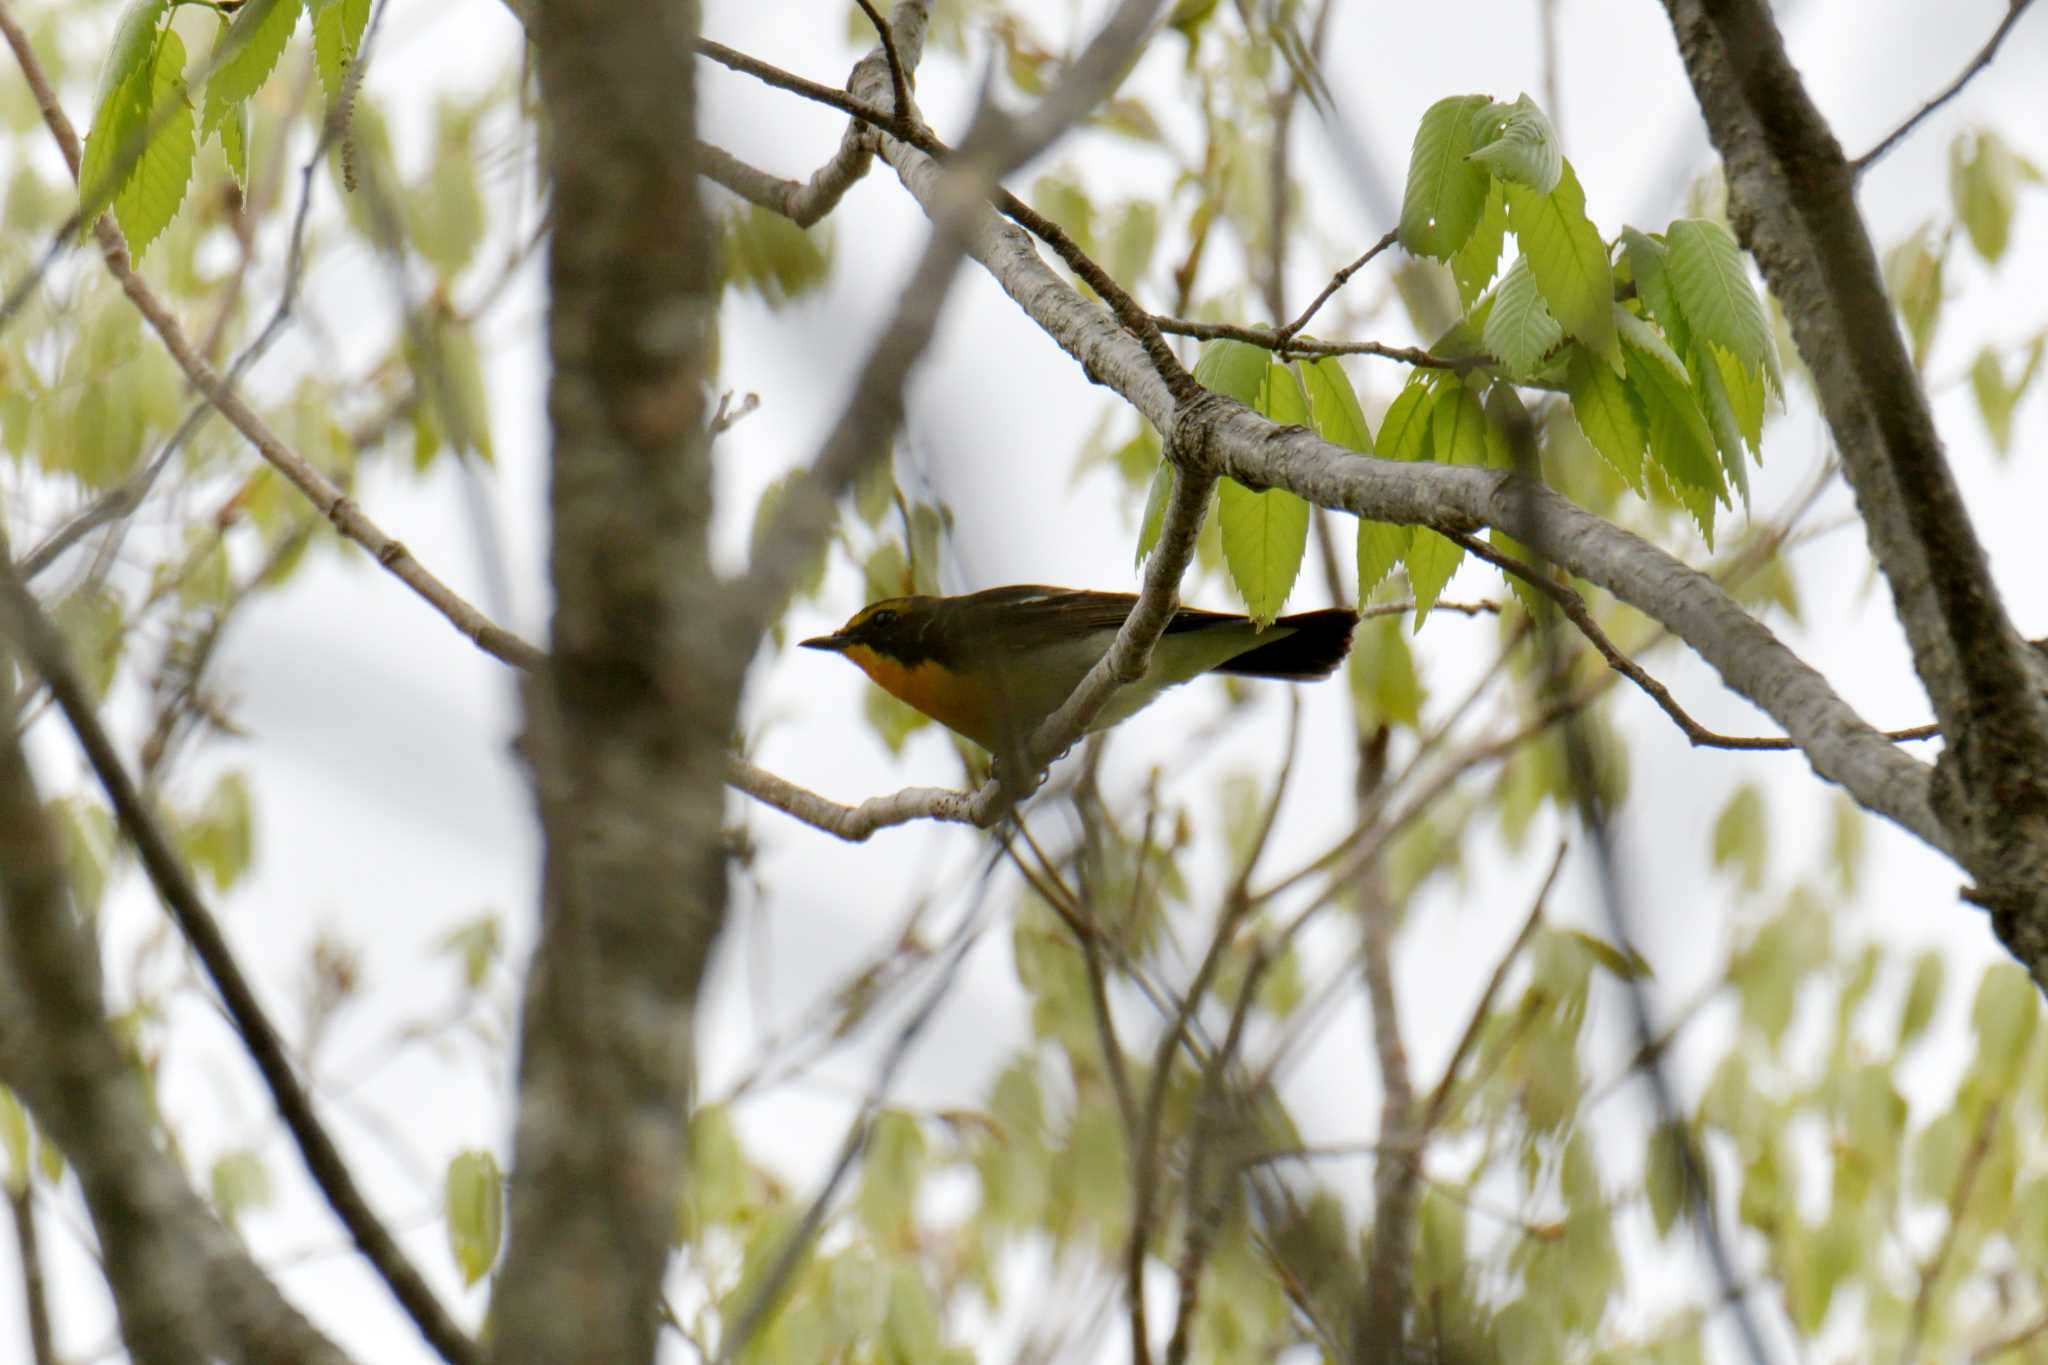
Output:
(899, 81)
(42, 1346)
(1274, 341)
(1337, 281)
(1440, 1098)
(1984, 58)
(1569, 600)
(1958, 1202)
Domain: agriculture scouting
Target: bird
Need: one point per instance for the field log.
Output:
(992, 665)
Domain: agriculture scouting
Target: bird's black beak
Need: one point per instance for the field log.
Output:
(834, 643)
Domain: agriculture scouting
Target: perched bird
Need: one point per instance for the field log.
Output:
(992, 665)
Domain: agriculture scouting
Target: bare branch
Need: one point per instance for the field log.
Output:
(1337, 281)
(1985, 56)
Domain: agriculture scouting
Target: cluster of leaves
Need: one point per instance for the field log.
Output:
(1985, 178)
(145, 134)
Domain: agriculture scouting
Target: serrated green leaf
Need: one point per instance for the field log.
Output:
(113, 146)
(1704, 266)
(220, 836)
(247, 53)
(1983, 185)
(1474, 263)
(1446, 193)
(1235, 369)
(473, 1194)
(1404, 431)
(1564, 250)
(1431, 562)
(1704, 367)
(1264, 537)
(1748, 396)
(1607, 412)
(1381, 545)
(337, 34)
(1680, 442)
(1457, 427)
(234, 144)
(1519, 329)
(1520, 146)
(1333, 408)
(154, 188)
(1282, 397)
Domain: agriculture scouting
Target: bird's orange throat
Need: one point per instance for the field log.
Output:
(945, 697)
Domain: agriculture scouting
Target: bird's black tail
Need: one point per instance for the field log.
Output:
(1315, 643)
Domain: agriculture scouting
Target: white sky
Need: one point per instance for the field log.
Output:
(391, 809)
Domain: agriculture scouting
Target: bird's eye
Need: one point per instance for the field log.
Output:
(882, 619)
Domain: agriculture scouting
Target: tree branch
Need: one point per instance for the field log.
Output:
(1836, 741)
(1792, 201)
(43, 649)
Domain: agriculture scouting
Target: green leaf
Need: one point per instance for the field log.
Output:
(475, 1212)
(1523, 146)
(1155, 510)
(337, 35)
(1457, 427)
(1703, 364)
(1983, 185)
(2005, 1016)
(1606, 410)
(773, 497)
(239, 1182)
(1404, 431)
(1664, 1176)
(445, 212)
(1680, 441)
(1264, 537)
(155, 187)
(1384, 684)
(220, 837)
(246, 54)
(234, 144)
(1474, 263)
(1912, 276)
(94, 628)
(773, 257)
(14, 1137)
(113, 147)
(1446, 192)
(891, 1171)
(1740, 836)
(1564, 250)
(910, 1322)
(1333, 408)
(1705, 269)
(1235, 369)
(1381, 545)
(1133, 235)
(1431, 562)
(1996, 399)
(1519, 329)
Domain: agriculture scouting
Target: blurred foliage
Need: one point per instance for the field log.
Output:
(1549, 1222)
